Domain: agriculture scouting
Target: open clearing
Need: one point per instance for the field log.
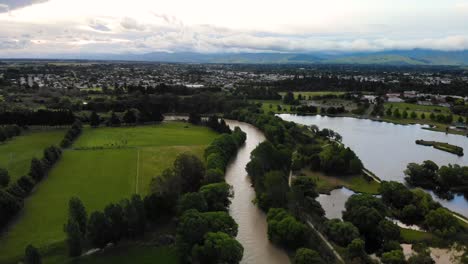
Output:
(16, 153)
(100, 168)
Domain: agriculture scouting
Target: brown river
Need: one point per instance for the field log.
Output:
(251, 220)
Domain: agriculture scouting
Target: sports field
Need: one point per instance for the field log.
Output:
(104, 165)
(16, 153)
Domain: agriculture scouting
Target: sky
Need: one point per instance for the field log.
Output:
(35, 28)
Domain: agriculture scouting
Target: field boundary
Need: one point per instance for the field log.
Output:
(137, 170)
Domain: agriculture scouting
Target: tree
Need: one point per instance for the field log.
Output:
(389, 112)
(130, 116)
(74, 238)
(213, 176)
(442, 222)
(37, 169)
(194, 200)
(77, 213)
(218, 247)
(393, 257)
(31, 255)
(285, 230)
(356, 249)
(405, 114)
(276, 190)
(98, 230)
(288, 98)
(395, 194)
(194, 118)
(396, 113)
(134, 213)
(422, 258)
(413, 115)
(114, 120)
(4, 177)
(423, 116)
(193, 226)
(217, 195)
(94, 119)
(340, 232)
(411, 215)
(118, 224)
(190, 169)
(388, 231)
(307, 256)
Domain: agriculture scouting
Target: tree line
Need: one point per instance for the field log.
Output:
(13, 195)
(9, 131)
(196, 195)
(445, 181)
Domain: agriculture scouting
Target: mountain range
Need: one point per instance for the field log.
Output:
(394, 57)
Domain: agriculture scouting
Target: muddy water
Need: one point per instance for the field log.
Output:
(251, 220)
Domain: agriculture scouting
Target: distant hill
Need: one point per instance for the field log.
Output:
(395, 57)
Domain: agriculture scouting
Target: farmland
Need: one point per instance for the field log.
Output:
(104, 165)
(16, 153)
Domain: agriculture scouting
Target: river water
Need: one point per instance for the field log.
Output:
(386, 149)
(251, 220)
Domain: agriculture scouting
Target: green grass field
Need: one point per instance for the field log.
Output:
(16, 153)
(419, 110)
(272, 106)
(414, 236)
(99, 176)
(357, 183)
(124, 253)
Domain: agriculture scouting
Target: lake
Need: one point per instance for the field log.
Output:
(387, 148)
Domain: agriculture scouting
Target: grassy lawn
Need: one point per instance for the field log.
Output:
(419, 110)
(414, 236)
(99, 176)
(357, 183)
(165, 134)
(124, 253)
(16, 153)
(272, 106)
(134, 254)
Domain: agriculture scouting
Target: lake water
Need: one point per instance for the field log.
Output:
(386, 148)
(251, 220)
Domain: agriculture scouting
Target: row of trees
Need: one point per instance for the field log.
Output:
(445, 181)
(130, 117)
(9, 131)
(441, 118)
(205, 233)
(72, 133)
(126, 219)
(40, 117)
(12, 197)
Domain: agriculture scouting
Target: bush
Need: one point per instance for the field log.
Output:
(285, 230)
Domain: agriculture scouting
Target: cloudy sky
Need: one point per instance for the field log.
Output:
(45, 27)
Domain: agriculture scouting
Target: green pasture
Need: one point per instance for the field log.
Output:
(104, 165)
(16, 153)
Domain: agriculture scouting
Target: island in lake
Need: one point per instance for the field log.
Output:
(442, 146)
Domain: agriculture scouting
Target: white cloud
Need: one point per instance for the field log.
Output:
(113, 26)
